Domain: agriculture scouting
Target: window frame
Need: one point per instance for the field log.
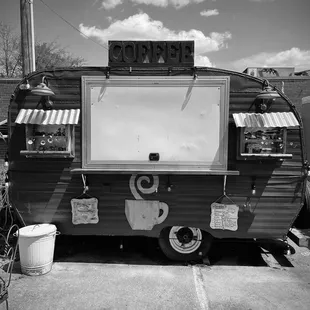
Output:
(155, 167)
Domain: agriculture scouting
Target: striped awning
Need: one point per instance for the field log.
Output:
(266, 120)
(49, 117)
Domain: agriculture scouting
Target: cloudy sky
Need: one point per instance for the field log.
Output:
(229, 34)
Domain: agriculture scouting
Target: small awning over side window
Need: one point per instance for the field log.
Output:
(266, 120)
(49, 117)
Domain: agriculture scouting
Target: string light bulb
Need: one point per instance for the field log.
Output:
(253, 189)
(169, 185)
(6, 160)
(6, 180)
(25, 85)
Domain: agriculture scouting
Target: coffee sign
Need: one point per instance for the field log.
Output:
(151, 53)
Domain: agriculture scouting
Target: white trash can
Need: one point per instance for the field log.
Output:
(36, 248)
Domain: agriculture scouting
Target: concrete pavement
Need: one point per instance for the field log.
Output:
(81, 286)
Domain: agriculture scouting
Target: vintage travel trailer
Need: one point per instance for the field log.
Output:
(151, 145)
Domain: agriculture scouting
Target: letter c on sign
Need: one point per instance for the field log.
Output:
(115, 52)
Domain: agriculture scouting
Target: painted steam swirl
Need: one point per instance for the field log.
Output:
(149, 190)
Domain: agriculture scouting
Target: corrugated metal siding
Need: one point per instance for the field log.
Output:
(49, 117)
(266, 120)
(189, 203)
(278, 188)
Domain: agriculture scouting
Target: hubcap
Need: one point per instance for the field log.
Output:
(185, 240)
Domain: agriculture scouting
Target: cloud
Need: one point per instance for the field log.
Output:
(261, 0)
(294, 57)
(142, 27)
(111, 4)
(202, 61)
(209, 13)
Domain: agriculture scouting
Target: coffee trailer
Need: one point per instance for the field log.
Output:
(153, 146)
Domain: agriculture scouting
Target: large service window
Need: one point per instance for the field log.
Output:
(155, 124)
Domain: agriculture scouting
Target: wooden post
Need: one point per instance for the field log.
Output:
(27, 36)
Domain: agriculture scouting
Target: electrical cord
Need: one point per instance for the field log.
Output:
(5, 209)
(73, 25)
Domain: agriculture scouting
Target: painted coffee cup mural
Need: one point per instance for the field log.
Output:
(144, 214)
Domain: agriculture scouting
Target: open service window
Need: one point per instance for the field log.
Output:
(156, 124)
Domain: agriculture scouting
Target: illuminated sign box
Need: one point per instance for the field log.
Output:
(151, 53)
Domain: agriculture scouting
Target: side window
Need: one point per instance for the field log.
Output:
(49, 140)
(272, 141)
(48, 133)
(263, 135)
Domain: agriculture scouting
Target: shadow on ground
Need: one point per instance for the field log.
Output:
(145, 251)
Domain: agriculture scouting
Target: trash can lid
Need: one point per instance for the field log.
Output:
(37, 230)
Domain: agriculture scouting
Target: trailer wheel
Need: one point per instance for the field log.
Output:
(182, 243)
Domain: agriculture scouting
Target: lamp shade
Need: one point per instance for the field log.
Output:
(42, 90)
(268, 93)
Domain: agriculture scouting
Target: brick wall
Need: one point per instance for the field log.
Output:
(7, 87)
(295, 88)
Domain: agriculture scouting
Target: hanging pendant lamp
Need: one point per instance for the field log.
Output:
(265, 98)
(268, 92)
(42, 89)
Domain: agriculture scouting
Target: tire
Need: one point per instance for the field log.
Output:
(180, 243)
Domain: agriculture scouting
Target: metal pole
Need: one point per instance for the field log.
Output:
(27, 36)
(33, 64)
